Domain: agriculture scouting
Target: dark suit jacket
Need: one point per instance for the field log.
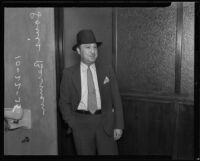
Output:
(70, 96)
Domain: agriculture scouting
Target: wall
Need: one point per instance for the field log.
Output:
(146, 49)
(187, 70)
(158, 120)
(29, 56)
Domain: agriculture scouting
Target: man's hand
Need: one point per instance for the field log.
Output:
(117, 134)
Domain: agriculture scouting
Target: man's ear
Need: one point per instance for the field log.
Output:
(78, 50)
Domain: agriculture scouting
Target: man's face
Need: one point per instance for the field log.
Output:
(88, 53)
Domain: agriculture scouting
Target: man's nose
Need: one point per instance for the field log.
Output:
(92, 50)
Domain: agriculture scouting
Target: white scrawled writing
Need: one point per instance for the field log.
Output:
(17, 83)
(39, 63)
(37, 30)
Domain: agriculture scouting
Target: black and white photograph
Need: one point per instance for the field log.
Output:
(102, 79)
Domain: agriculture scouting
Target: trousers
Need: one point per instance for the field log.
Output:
(90, 137)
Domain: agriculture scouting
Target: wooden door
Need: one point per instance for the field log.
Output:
(30, 79)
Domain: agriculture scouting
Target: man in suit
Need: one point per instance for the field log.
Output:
(90, 102)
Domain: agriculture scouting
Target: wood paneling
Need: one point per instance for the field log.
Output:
(157, 127)
(155, 69)
(184, 134)
(149, 127)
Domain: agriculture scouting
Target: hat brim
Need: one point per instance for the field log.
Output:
(75, 46)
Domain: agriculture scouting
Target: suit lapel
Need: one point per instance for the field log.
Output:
(76, 77)
(100, 78)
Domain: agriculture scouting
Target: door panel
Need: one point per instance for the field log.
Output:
(29, 61)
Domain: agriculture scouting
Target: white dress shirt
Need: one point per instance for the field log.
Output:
(84, 87)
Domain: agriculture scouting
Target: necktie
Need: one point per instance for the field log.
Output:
(92, 102)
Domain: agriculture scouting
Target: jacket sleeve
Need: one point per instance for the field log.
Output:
(116, 99)
(65, 104)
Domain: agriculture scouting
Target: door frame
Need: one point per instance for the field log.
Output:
(59, 57)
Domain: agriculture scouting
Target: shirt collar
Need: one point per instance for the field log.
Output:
(85, 66)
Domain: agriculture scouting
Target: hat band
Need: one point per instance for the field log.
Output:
(86, 42)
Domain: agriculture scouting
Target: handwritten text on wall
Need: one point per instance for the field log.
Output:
(39, 63)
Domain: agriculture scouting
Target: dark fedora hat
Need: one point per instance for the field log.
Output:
(85, 37)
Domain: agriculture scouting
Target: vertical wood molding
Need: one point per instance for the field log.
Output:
(59, 45)
(178, 56)
(58, 18)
